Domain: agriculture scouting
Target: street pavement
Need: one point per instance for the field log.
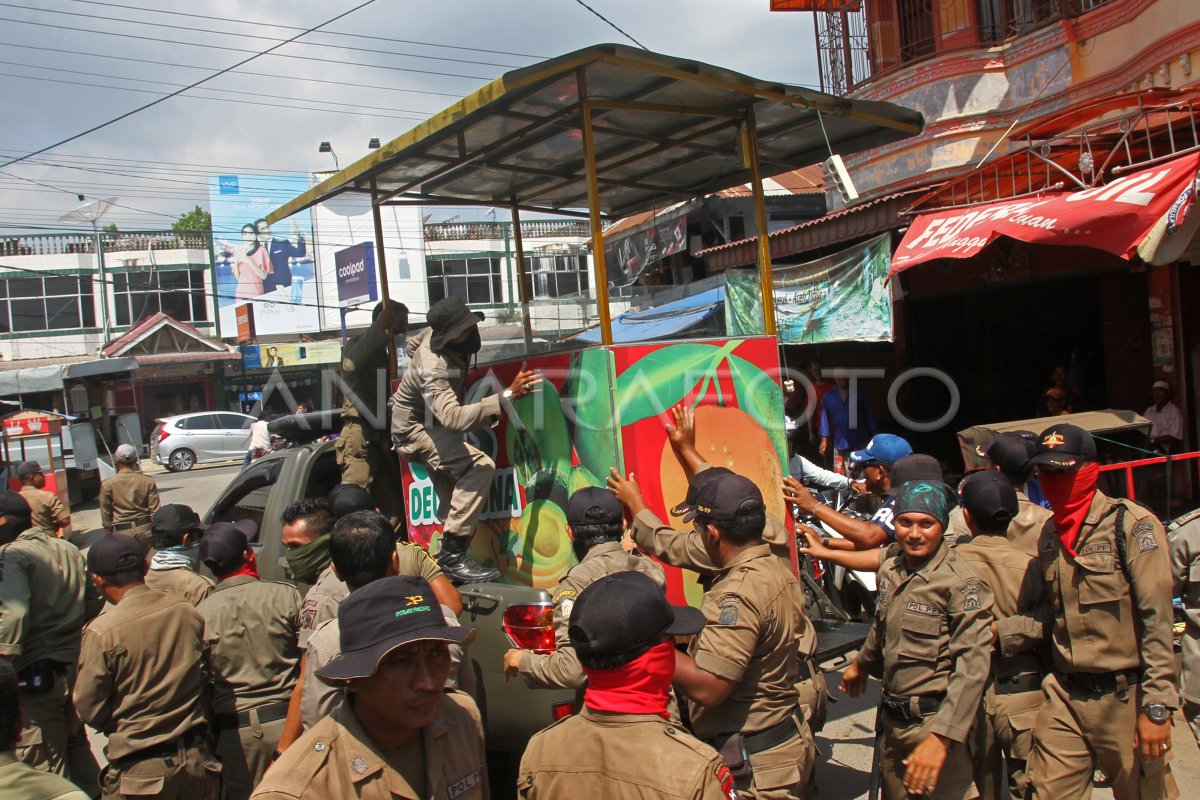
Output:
(846, 745)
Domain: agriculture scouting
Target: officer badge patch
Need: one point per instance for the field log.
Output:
(463, 785)
(565, 607)
(359, 765)
(725, 778)
(1143, 534)
(729, 616)
(971, 596)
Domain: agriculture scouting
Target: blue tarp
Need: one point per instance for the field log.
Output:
(661, 321)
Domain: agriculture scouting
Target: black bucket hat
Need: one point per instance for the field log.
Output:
(381, 616)
(448, 318)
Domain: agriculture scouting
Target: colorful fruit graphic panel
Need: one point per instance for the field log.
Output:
(608, 407)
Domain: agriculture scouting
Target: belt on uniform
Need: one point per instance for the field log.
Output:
(1101, 682)
(1027, 682)
(192, 738)
(773, 736)
(900, 708)
(271, 712)
(137, 523)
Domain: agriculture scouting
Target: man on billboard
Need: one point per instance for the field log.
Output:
(279, 251)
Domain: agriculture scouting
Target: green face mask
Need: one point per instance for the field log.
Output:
(307, 560)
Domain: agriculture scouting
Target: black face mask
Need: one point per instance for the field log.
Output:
(469, 346)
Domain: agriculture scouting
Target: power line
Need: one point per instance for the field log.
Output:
(178, 92)
(611, 24)
(240, 72)
(325, 33)
(256, 53)
(248, 35)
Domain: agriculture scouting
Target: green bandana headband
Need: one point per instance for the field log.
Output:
(926, 497)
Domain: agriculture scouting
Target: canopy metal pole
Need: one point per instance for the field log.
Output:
(750, 148)
(522, 292)
(593, 190)
(381, 265)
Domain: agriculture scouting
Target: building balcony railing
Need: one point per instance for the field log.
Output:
(530, 229)
(58, 244)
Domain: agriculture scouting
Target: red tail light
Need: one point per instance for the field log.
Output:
(163, 433)
(531, 627)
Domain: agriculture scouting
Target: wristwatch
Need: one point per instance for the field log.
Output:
(1157, 712)
(506, 394)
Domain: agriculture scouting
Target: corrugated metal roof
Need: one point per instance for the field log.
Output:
(665, 129)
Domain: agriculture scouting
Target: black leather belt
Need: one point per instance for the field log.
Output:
(1027, 682)
(271, 712)
(773, 736)
(899, 708)
(124, 526)
(165, 750)
(1101, 682)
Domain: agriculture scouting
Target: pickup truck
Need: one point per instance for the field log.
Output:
(507, 615)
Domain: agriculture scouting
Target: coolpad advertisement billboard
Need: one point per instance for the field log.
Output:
(271, 267)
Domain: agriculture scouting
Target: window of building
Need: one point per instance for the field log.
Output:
(474, 280)
(549, 277)
(177, 293)
(51, 303)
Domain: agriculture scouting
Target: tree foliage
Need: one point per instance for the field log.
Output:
(195, 220)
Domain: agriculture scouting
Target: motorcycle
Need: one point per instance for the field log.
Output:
(852, 592)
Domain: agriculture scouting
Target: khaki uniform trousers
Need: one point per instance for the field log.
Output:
(371, 465)
(1191, 712)
(53, 738)
(956, 780)
(781, 773)
(245, 755)
(191, 773)
(1004, 740)
(1078, 732)
(143, 533)
(461, 476)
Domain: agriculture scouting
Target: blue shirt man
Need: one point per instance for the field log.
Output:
(847, 420)
(280, 250)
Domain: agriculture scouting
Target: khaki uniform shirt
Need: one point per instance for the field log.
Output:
(321, 601)
(337, 759)
(1024, 532)
(44, 598)
(1018, 587)
(250, 627)
(1183, 543)
(127, 496)
(48, 510)
(561, 669)
(931, 635)
(1091, 616)
(19, 781)
(431, 391)
(142, 672)
(683, 549)
(596, 754)
(755, 610)
(364, 372)
(180, 581)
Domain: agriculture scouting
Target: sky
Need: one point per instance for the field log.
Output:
(69, 65)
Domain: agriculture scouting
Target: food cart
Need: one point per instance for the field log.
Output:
(29, 435)
(610, 130)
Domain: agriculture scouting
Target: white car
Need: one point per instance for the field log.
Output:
(189, 439)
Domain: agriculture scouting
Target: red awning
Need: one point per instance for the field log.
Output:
(1147, 208)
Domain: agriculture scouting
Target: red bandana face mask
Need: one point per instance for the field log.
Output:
(639, 687)
(1070, 495)
(249, 568)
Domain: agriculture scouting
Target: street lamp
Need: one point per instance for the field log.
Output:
(326, 147)
(90, 213)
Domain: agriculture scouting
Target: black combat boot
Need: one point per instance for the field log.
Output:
(458, 566)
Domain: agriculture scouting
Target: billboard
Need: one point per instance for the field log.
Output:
(270, 268)
(306, 354)
(355, 270)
